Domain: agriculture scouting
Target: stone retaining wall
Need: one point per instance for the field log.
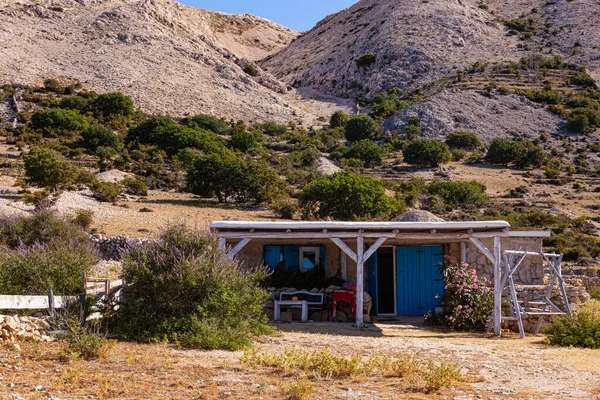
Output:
(114, 247)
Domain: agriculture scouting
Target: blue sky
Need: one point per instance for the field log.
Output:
(299, 15)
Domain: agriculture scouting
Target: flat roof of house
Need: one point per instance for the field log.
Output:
(325, 229)
(475, 226)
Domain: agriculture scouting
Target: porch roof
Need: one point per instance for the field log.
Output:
(312, 229)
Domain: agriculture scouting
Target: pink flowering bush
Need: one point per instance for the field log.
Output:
(468, 300)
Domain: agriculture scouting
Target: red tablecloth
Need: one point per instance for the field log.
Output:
(343, 295)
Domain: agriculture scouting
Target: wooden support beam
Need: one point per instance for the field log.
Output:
(222, 243)
(486, 252)
(374, 247)
(463, 252)
(360, 282)
(339, 243)
(232, 253)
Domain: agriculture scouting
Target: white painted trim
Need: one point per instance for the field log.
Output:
(360, 281)
(302, 249)
(530, 234)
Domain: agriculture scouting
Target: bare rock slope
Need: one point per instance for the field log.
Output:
(170, 58)
(490, 115)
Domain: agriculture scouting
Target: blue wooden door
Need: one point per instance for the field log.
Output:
(372, 280)
(418, 278)
(272, 256)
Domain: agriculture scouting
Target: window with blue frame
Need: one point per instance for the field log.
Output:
(296, 257)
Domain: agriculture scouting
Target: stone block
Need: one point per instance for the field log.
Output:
(286, 317)
(340, 316)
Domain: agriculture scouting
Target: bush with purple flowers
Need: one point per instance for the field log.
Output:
(184, 289)
(468, 300)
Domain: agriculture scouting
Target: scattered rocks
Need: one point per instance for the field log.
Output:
(13, 328)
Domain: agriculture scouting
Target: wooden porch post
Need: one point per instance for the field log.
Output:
(463, 252)
(360, 247)
(497, 286)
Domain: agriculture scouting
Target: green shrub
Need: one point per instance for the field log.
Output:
(285, 208)
(105, 191)
(43, 250)
(243, 141)
(209, 122)
(96, 136)
(173, 137)
(79, 103)
(272, 128)
(388, 103)
(583, 79)
(366, 151)
(338, 119)
(136, 186)
(366, 60)
(110, 105)
(58, 120)
(545, 96)
(361, 127)
(531, 156)
(412, 132)
(584, 120)
(226, 175)
(521, 25)
(458, 154)
(186, 290)
(427, 152)
(45, 167)
(83, 344)
(503, 151)
(250, 70)
(83, 218)
(345, 196)
(464, 140)
(53, 85)
(459, 192)
(579, 330)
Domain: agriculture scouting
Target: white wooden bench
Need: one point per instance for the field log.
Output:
(300, 299)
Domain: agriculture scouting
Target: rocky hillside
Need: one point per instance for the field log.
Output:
(172, 59)
(411, 43)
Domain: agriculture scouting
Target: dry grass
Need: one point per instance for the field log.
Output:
(311, 361)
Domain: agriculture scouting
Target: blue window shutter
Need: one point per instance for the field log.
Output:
(272, 256)
(323, 256)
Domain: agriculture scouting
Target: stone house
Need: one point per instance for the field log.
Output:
(396, 263)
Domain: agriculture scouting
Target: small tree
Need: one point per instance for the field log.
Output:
(503, 151)
(361, 127)
(427, 152)
(243, 141)
(464, 140)
(226, 175)
(114, 104)
(208, 122)
(48, 168)
(365, 150)
(58, 120)
(96, 136)
(345, 196)
(338, 119)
